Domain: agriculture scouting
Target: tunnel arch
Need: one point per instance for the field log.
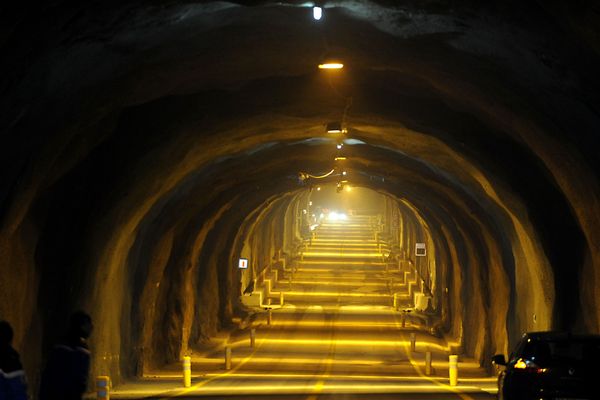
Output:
(143, 166)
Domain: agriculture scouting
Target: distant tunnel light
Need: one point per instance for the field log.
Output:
(331, 65)
(335, 216)
(339, 146)
(317, 13)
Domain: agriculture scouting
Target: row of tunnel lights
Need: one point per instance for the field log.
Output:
(317, 15)
(332, 127)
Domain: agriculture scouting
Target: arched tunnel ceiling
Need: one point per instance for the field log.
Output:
(153, 115)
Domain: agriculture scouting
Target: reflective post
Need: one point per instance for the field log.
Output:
(187, 371)
(413, 342)
(403, 319)
(428, 363)
(228, 358)
(453, 370)
(281, 298)
(252, 337)
(396, 305)
(269, 316)
(103, 388)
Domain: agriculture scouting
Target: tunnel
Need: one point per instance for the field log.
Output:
(149, 148)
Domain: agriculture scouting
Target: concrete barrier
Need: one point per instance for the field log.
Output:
(422, 301)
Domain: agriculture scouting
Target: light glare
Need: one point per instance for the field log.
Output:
(317, 13)
(335, 216)
(331, 66)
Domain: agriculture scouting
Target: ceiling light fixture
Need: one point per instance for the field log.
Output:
(317, 13)
(331, 65)
(334, 127)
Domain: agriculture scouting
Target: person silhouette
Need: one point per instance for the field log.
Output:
(66, 374)
(12, 377)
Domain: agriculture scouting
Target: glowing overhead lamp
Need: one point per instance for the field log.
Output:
(344, 173)
(331, 65)
(334, 127)
(318, 188)
(317, 13)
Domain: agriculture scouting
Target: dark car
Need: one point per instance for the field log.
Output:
(551, 365)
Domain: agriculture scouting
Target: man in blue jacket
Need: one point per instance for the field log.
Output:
(12, 377)
(66, 374)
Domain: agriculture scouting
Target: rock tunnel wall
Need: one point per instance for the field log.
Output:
(141, 156)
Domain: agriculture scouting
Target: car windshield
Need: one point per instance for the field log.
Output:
(550, 352)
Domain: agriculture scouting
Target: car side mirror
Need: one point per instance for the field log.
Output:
(498, 360)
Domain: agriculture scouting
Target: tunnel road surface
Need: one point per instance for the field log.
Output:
(390, 396)
(337, 335)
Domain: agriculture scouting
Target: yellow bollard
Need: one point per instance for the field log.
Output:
(428, 363)
(395, 301)
(228, 358)
(453, 370)
(252, 337)
(281, 299)
(187, 371)
(413, 342)
(269, 317)
(103, 388)
(403, 319)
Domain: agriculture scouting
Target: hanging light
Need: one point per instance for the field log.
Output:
(334, 127)
(331, 65)
(317, 13)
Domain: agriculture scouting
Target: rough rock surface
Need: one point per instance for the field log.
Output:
(146, 145)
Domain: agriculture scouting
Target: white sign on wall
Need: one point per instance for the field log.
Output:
(420, 250)
(243, 263)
